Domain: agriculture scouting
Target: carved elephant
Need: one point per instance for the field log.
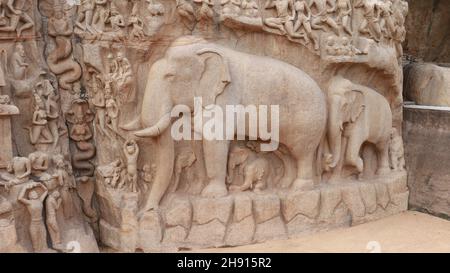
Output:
(357, 114)
(254, 168)
(193, 68)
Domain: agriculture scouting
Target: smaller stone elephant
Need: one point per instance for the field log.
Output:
(254, 168)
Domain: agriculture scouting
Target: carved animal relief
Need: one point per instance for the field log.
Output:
(90, 148)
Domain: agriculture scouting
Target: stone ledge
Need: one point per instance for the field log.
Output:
(246, 218)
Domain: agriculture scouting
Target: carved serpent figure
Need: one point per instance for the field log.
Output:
(81, 159)
(80, 116)
(60, 59)
(61, 63)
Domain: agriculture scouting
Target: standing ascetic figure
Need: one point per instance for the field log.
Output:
(226, 80)
(29, 196)
(357, 114)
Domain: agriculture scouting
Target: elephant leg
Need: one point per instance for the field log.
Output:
(305, 172)
(352, 153)
(216, 156)
(248, 181)
(383, 158)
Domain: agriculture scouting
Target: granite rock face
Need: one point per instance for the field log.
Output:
(112, 118)
(428, 30)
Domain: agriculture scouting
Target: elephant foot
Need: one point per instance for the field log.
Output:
(303, 184)
(215, 190)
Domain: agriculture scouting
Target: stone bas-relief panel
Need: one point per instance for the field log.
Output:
(96, 161)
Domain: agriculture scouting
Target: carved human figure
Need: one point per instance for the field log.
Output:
(52, 204)
(205, 12)
(100, 15)
(46, 91)
(131, 152)
(53, 115)
(250, 8)
(117, 22)
(386, 19)
(396, 151)
(231, 7)
(112, 110)
(99, 102)
(148, 172)
(124, 78)
(40, 163)
(304, 20)
(18, 14)
(85, 15)
(370, 24)
(285, 15)
(137, 26)
(399, 13)
(34, 202)
(322, 17)
(344, 11)
(39, 131)
(19, 63)
(66, 183)
(186, 10)
(20, 167)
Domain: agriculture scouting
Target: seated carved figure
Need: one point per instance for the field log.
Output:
(20, 167)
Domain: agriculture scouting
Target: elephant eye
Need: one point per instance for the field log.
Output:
(169, 76)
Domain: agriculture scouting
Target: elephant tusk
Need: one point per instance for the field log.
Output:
(156, 130)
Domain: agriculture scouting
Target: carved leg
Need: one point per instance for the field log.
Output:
(383, 158)
(352, 153)
(305, 172)
(216, 155)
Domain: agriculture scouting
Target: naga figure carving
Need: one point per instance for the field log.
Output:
(60, 60)
(79, 118)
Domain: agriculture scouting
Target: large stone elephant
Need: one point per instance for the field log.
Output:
(357, 114)
(192, 68)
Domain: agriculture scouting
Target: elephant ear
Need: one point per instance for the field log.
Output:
(354, 105)
(215, 75)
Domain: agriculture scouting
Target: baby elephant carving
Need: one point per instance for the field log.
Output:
(252, 166)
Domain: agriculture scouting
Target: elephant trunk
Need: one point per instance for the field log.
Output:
(334, 138)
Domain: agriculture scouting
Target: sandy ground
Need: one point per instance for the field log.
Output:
(406, 232)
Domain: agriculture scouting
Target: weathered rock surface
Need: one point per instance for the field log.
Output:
(427, 84)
